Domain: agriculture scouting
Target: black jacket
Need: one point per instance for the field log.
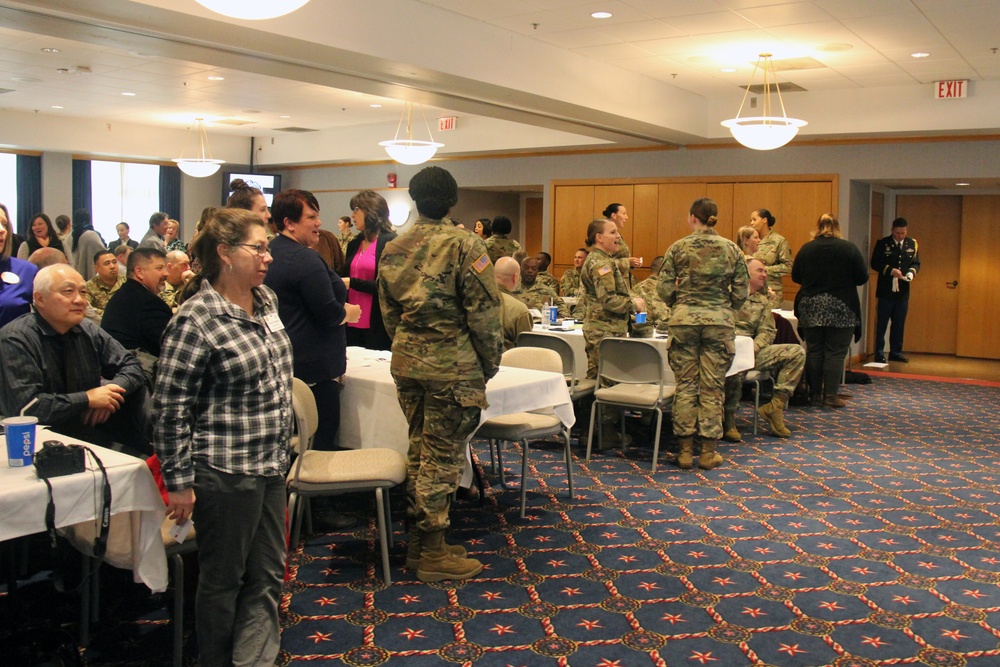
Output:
(136, 317)
(888, 256)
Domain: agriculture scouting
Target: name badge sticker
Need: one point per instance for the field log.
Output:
(10, 277)
(273, 323)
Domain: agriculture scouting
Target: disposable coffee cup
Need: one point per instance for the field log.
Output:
(640, 318)
(20, 440)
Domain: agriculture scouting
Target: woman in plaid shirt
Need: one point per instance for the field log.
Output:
(222, 413)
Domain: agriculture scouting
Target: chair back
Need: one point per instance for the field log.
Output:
(535, 358)
(555, 343)
(306, 415)
(630, 361)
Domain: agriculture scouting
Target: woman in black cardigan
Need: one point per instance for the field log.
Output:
(370, 214)
(829, 269)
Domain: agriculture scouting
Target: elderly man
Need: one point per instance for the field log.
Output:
(136, 315)
(47, 257)
(178, 271)
(514, 316)
(154, 238)
(87, 385)
(785, 362)
(544, 277)
(106, 281)
(533, 293)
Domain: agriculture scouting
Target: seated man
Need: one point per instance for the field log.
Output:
(570, 283)
(514, 317)
(47, 257)
(657, 311)
(178, 271)
(136, 316)
(544, 277)
(87, 385)
(785, 362)
(121, 254)
(104, 284)
(534, 294)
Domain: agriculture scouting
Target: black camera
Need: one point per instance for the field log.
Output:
(56, 459)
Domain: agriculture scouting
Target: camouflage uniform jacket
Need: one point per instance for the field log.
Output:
(703, 280)
(609, 303)
(98, 295)
(777, 257)
(514, 318)
(756, 320)
(537, 295)
(501, 246)
(621, 258)
(170, 294)
(440, 304)
(345, 239)
(570, 283)
(657, 312)
(549, 280)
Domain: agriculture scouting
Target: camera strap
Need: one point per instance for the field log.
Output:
(101, 541)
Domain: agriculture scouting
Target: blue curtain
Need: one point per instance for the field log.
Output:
(170, 191)
(29, 190)
(82, 188)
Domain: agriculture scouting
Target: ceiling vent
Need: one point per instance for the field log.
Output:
(295, 130)
(794, 64)
(786, 87)
(235, 122)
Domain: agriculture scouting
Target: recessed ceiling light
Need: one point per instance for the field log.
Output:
(56, 106)
(216, 78)
(919, 54)
(49, 49)
(962, 184)
(601, 15)
(728, 69)
(375, 106)
(284, 116)
(129, 94)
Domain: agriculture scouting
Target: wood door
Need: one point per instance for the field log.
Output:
(572, 211)
(875, 232)
(533, 225)
(935, 221)
(978, 297)
(801, 206)
(748, 197)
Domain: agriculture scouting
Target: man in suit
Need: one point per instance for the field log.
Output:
(896, 258)
(123, 229)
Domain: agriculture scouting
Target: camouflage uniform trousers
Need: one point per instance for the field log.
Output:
(442, 415)
(785, 363)
(700, 357)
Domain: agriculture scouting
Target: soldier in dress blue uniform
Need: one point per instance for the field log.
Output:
(896, 258)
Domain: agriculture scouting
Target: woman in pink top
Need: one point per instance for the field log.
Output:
(370, 214)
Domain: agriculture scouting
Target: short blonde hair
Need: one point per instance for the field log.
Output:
(827, 226)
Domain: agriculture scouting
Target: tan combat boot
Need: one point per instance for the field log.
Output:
(709, 458)
(414, 545)
(729, 427)
(437, 563)
(773, 412)
(685, 460)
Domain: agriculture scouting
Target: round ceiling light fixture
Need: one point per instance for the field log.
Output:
(252, 10)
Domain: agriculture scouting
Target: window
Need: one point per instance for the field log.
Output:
(124, 192)
(8, 185)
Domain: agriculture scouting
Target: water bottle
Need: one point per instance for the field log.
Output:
(545, 316)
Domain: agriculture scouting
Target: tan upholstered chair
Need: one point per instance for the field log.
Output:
(578, 387)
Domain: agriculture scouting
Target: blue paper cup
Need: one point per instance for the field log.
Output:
(20, 435)
(640, 318)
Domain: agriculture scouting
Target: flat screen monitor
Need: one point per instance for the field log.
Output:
(269, 184)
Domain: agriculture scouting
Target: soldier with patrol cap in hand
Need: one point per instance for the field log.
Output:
(896, 259)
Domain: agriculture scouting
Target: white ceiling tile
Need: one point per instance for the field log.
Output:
(620, 13)
(784, 15)
(484, 10)
(660, 9)
(887, 80)
(537, 23)
(715, 22)
(572, 39)
(850, 9)
(638, 31)
(610, 52)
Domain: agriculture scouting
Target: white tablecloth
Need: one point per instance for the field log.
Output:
(137, 508)
(370, 415)
(744, 359)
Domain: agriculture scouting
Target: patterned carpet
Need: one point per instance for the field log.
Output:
(870, 537)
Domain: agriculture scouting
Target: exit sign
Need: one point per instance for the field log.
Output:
(949, 90)
(445, 124)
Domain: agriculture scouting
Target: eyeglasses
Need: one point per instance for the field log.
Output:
(260, 249)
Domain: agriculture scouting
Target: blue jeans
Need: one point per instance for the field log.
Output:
(240, 523)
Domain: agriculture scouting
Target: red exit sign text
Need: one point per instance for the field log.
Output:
(949, 90)
(445, 124)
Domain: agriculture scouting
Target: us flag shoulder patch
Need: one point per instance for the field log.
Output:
(604, 270)
(480, 264)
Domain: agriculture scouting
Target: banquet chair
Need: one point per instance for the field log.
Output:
(322, 473)
(755, 379)
(578, 387)
(635, 366)
(525, 426)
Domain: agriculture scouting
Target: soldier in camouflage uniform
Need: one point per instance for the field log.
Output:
(703, 280)
(544, 277)
(570, 283)
(104, 284)
(514, 315)
(534, 294)
(499, 245)
(347, 233)
(441, 307)
(178, 263)
(618, 214)
(785, 362)
(773, 251)
(657, 312)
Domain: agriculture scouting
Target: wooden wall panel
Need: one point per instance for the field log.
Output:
(675, 206)
(620, 194)
(801, 206)
(643, 219)
(748, 197)
(533, 225)
(979, 298)
(722, 193)
(573, 209)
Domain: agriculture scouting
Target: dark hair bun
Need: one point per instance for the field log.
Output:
(238, 184)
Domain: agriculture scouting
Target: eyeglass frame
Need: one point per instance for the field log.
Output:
(256, 248)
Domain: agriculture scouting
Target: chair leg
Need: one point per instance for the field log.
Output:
(493, 461)
(590, 432)
(569, 463)
(388, 517)
(503, 477)
(295, 504)
(756, 403)
(524, 474)
(656, 438)
(178, 620)
(478, 479)
(382, 540)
